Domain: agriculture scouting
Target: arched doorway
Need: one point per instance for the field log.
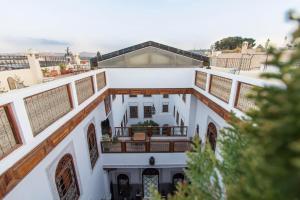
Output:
(150, 179)
(65, 179)
(212, 135)
(177, 178)
(123, 186)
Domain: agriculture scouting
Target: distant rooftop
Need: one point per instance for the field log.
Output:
(189, 54)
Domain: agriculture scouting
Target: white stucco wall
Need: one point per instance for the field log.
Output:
(39, 183)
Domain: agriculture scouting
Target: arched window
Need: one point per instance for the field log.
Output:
(212, 135)
(92, 143)
(65, 179)
(123, 186)
(150, 179)
(177, 178)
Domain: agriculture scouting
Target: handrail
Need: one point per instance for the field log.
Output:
(152, 131)
(152, 146)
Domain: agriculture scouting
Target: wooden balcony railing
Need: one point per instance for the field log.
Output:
(243, 64)
(146, 146)
(200, 80)
(45, 108)
(84, 89)
(242, 101)
(101, 80)
(220, 87)
(9, 136)
(11, 62)
(152, 131)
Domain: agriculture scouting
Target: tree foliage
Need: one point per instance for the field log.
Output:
(231, 43)
(261, 152)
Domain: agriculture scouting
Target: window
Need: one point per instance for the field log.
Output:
(122, 98)
(92, 143)
(165, 107)
(197, 129)
(184, 97)
(133, 111)
(174, 111)
(113, 97)
(177, 118)
(212, 135)
(147, 111)
(147, 95)
(181, 127)
(126, 117)
(165, 96)
(65, 179)
(132, 95)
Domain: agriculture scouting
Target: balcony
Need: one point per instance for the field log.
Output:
(150, 146)
(152, 131)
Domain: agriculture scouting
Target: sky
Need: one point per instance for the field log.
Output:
(108, 25)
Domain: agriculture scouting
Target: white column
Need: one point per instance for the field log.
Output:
(106, 185)
(74, 95)
(22, 119)
(233, 93)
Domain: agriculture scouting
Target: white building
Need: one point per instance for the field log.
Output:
(54, 136)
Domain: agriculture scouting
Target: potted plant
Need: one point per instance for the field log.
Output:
(45, 72)
(63, 69)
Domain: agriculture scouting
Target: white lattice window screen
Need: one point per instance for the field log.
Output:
(84, 89)
(201, 80)
(7, 138)
(243, 102)
(45, 108)
(220, 87)
(150, 181)
(101, 82)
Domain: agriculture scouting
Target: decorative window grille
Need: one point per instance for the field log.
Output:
(133, 111)
(8, 136)
(201, 80)
(243, 103)
(220, 87)
(147, 111)
(45, 108)
(101, 80)
(92, 143)
(84, 89)
(165, 96)
(65, 179)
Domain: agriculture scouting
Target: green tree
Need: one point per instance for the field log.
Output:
(268, 166)
(231, 43)
(261, 152)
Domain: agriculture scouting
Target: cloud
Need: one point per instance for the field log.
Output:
(28, 41)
